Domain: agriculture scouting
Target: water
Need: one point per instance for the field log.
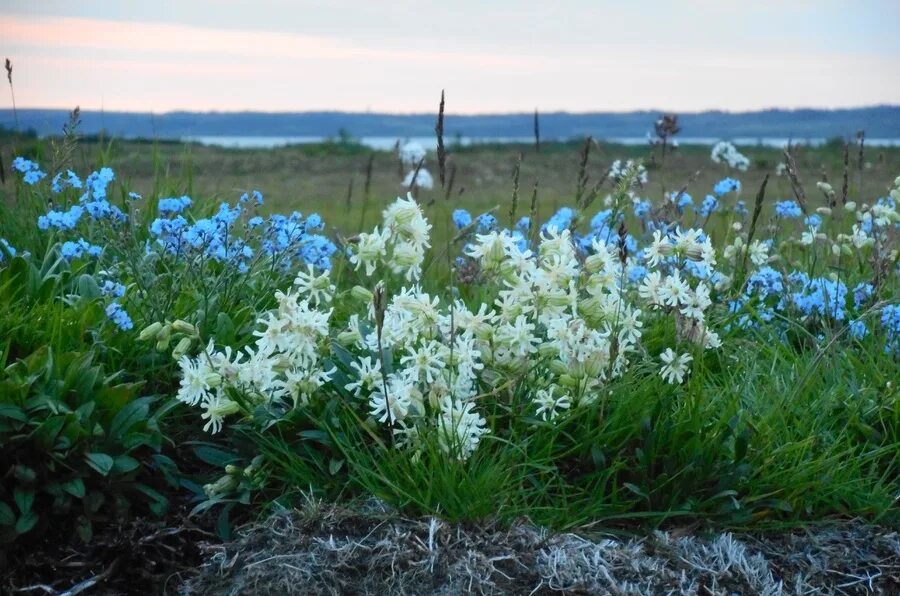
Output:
(388, 143)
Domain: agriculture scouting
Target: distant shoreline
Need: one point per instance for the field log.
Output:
(878, 122)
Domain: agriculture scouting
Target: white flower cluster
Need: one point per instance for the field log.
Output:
(400, 244)
(553, 326)
(725, 152)
(412, 154)
(619, 170)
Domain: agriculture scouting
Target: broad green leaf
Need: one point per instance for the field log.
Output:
(101, 462)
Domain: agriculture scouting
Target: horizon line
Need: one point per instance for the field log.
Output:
(465, 114)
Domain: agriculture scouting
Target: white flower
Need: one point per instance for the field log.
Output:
(424, 362)
(370, 249)
(423, 179)
(674, 290)
(411, 153)
(368, 376)
(674, 367)
(195, 375)
(548, 406)
(725, 152)
(759, 253)
(318, 287)
(461, 428)
(394, 406)
(214, 411)
(659, 248)
(650, 288)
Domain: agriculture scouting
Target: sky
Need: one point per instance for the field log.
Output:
(490, 56)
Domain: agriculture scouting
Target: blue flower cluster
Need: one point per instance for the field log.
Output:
(68, 180)
(254, 196)
(219, 238)
(112, 288)
(8, 247)
(819, 296)
(788, 210)
(461, 218)
(725, 186)
(709, 204)
(119, 316)
(174, 205)
(890, 321)
(75, 250)
(561, 220)
(31, 172)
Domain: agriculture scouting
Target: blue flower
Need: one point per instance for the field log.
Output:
(890, 321)
(741, 209)
(255, 195)
(33, 177)
(710, 204)
(461, 218)
(173, 205)
(862, 294)
(6, 245)
(561, 220)
(75, 250)
(524, 223)
(486, 222)
(314, 222)
(684, 201)
(111, 288)
(117, 315)
(858, 330)
(22, 165)
(636, 273)
(69, 180)
(813, 220)
(725, 186)
(642, 208)
(787, 210)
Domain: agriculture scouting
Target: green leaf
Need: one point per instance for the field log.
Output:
(7, 516)
(123, 464)
(75, 488)
(23, 499)
(84, 528)
(101, 462)
(13, 412)
(214, 456)
(88, 288)
(133, 413)
(335, 465)
(26, 522)
(157, 502)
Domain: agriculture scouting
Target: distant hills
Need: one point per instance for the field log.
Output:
(877, 121)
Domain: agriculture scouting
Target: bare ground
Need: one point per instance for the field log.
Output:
(328, 550)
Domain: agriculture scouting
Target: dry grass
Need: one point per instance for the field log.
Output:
(327, 550)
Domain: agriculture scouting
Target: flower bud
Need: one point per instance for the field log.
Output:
(150, 331)
(362, 294)
(567, 380)
(593, 263)
(184, 327)
(558, 367)
(824, 211)
(850, 206)
(695, 253)
(181, 348)
(836, 250)
(347, 338)
(162, 345)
